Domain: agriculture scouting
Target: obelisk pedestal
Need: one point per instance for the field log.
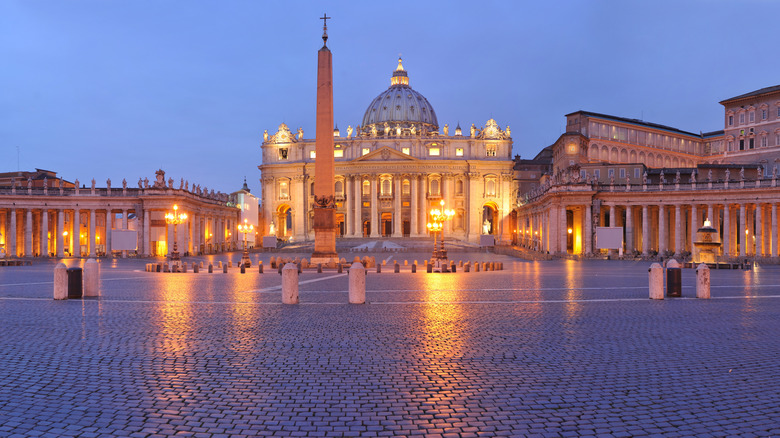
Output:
(324, 223)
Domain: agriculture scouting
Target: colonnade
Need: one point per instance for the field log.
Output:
(745, 228)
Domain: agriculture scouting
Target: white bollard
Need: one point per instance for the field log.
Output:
(91, 278)
(703, 281)
(290, 284)
(656, 282)
(60, 282)
(357, 284)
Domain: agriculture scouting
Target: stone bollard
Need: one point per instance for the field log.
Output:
(260, 266)
(219, 264)
(357, 284)
(195, 268)
(428, 267)
(289, 284)
(703, 281)
(201, 265)
(91, 278)
(224, 269)
(230, 264)
(211, 268)
(466, 267)
(273, 262)
(319, 268)
(406, 262)
(378, 268)
(60, 282)
(453, 266)
(243, 268)
(414, 268)
(396, 268)
(476, 266)
(339, 268)
(656, 282)
(673, 279)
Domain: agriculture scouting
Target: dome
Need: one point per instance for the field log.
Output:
(400, 105)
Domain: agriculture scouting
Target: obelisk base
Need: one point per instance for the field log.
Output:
(324, 236)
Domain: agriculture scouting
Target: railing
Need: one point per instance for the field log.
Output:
(105, 192)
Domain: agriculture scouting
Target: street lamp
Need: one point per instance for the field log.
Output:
(246, 228)
(175, 218)
(436, 225)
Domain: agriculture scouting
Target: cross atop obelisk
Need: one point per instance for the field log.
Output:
(325, 19)
(324, 223)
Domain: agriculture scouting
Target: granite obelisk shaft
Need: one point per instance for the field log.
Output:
(324, 165)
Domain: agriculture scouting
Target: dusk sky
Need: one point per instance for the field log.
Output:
(117, 89)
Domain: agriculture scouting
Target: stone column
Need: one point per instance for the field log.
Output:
(645, 231)
(76, 235)
(694, 226)
(374, 207)
(60, 230)
(711, 216)
(190, 231)
(586, 222)
(92, 232)
(397, 216)
(727, 230)
(423, 206)
(358, 214)
(28, 234)
(774, 230)
(677, 229)
(630, 228)
(759, 252)
(612, 216)
(563, 230)
(109, 227)
(146, 250)
(742, 239)
(415, 205)
(299, 210)
(349, 229)
(44, 251)
(661, 229)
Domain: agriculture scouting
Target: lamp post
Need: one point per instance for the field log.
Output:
(436, 226)
(175, 218)
(246, 228)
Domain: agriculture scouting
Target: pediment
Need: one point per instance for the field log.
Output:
(385, 153)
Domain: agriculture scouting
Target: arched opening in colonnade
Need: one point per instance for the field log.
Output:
(490, 218)
(283, 222)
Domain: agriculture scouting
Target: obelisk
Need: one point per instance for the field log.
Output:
(324, 163)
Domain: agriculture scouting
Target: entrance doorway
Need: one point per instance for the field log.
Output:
(489, 217)
(387, 224)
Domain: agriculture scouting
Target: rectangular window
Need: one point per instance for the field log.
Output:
(611, 173)
(406, 151)
(490, 150)
(637, 173)
(777, 139)
(434, 152)
(597, 173)
(751, 143)
(763, 114)
(459, 152)
(583, 174)
(752, 116)
(338, 153)
(778, 111)
(366, 151)
(312, 154)
(622, 173)
(763, 141)
(731, 120)
(282, 153)
(742, 118)
(742, 144)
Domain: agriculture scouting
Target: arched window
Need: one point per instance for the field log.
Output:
(434, 187)
(366, 187)
(284, 190)
(406, 187)
(490, 186)
(387, 186)
(339, 188)
(459, 187)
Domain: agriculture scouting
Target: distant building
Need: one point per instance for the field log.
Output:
(247, 203)
(660, 183)
(391, 170)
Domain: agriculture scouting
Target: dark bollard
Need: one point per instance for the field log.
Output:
(279, 268)
(300, 267)
(414, 268)
(260, 268)
(397, 268)
(243, 268)
(159, 267)
(428, 267)
(453, 267)
(319, 268)
(74, 282)
(211, 268)
(476, 266)
(224, 268)
(195, 268)
(273, 262)
(339, 269)
(378, 268)
(673, 279)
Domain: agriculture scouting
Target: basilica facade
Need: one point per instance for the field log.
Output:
(660, 184)
(391, 170)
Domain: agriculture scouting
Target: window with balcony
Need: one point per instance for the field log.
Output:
(282, 153)
(490, 186)
(284, 190)
(387, 187)
(490, 150)
(434, 152)
(434, 187)
(366, 187)
(406, 187)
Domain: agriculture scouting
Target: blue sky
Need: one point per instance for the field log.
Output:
(117, 89)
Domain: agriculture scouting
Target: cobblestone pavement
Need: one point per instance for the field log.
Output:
(555, 348)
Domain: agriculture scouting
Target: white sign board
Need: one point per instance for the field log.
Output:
(122, 240)
(609, 237)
